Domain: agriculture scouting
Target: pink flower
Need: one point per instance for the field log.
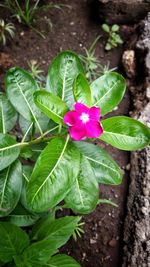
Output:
(83, 122)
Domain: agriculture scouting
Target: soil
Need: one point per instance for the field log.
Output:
(75, 28)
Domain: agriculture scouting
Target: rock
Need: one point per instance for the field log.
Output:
(92, 241)
(137, 223)
(6, 61)
(112, 243)
(129, 63)
(123, 11)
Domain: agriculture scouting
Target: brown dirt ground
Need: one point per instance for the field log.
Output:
(74, 28)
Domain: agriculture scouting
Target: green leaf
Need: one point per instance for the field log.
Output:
(9, 150)
(12, 242)
(84, 193)
(105, 28)
(51, 105)
(115, 28)
(10, 188)
(53, 175)
(41, 226)
(36, 150)
(81, 90)
(8, 115)
(21, 217)
(108, 46)
(125, 133)
(105, 168)
(27, 170)
(118, 39)
(55, 236)
(30, 128)
(108, 91)
(61, 75)
(63, 261)
(107, 201)
(20, 88)
(57, 229)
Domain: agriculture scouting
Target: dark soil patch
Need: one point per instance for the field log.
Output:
(74, 29)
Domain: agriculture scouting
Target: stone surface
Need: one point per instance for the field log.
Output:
(123, 11)
(137, 223)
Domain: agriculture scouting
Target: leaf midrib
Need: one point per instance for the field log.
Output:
(12, 146)
(105, 94)
(100, 163)
(49, 110)
(28, 104)
(3, 120)
(64, 82)
(113, 133)
(4, 186)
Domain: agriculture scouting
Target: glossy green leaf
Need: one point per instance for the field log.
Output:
(30, 128)
(9, 150)
(51, 105)
(125, 133)
(10, 188)
(57, 229)
(107, 91)
(42, 225)
(55, 236)
(105, 168)
(21, 217)
(63, 261)
(20, 87)
(8, 115)
(81, 90)
(12, 242)
(61, 75)
(84, 193)
(53, 175)
(106, 27)
(27, 170)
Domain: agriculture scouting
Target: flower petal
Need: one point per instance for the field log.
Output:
(93, 129)
(78, 132)
(71, 118)
(94, 113)
(80, 108)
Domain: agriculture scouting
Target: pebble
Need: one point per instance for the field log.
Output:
(112, 243)
(22, 34)
(148, 92)
(128, 166)
(92, 241)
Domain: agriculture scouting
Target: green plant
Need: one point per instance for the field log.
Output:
(92, 64)
(36, 72)
(44, 165)
(6, 28)
(25, 13)
(114, 38)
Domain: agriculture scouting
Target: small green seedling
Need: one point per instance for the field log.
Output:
(93, 67)
(36, 71)
(6, 29)
(26, 12)
(114, 38)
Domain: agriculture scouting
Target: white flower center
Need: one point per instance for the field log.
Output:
(84, 117)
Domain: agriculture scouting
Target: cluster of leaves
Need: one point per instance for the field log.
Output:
(36, 171)
(39, 249)
(26, 13)
(6, 29)
(114, 38)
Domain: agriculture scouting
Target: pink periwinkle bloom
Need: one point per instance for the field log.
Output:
(83, 122)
